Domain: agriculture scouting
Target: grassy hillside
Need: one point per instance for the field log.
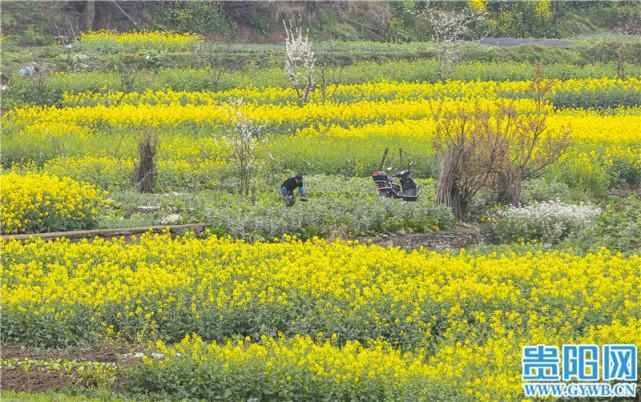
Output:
(40, 23)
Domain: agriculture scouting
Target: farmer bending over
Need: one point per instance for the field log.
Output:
(288, 187)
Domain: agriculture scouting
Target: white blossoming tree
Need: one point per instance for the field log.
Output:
(449, 28)
(299, 62)
(243, 138)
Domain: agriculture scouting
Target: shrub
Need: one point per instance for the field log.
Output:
(205, 17)
(540, 189)
(618, 228)
(623, 166)
(549, 222)
(582, 170)
(35, 37)
(42, 203)
(624, 173)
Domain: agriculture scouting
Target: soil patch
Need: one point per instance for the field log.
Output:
(102, 354)
(35, 380)
(38, 379)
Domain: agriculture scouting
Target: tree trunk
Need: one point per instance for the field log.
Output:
(448, 192)
(620, 62)
(509, 188)
(89, 15)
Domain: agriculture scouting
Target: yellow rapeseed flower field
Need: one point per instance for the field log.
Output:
(462, 317)
(584, 127)
(363, 91)
(171, 115)
(340, 315)
(44, 202)
(400, 117)
(143, 39)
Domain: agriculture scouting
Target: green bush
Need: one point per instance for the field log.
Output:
(624, 173)
(35, 37)
(540, 189)
(617, 228)
(601, 99)
(582, 170)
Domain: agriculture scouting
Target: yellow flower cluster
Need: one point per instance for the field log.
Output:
(312, 113)
(368, 91)
(469, 314)
(630, 155)
(44, 202)
(145, 39)
(543, 8)
(74, 139)
(584, 127)
(357, 113)
(477, 5)
(77, 140)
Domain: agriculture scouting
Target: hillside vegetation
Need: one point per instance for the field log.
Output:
(350, 20)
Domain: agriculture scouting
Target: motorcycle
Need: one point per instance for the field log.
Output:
(387, 188)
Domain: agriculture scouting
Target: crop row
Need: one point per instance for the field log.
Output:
(559, 89)
(462, 318)
(50, 90)
(278, 118)
(161, 40)
(58, 292)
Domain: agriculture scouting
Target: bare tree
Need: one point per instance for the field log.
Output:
(622, 50)
(471, 151)
(532, 146)
(330, 80)
(449, 28)
(498, 149)
(214, 60)
(299, 62)
(243, 138)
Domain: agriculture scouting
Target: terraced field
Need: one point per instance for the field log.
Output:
(276, 303)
